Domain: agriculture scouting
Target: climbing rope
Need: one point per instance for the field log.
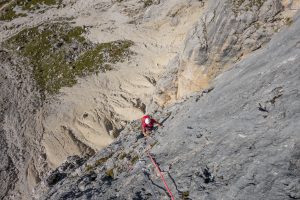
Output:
(161, 175)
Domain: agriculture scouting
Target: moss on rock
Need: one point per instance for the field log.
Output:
(110, 173)
(95, 59)
(101, 161)
(147, 3)
(9, 13)
(59, 53)
(134, 159)
(246, 4)
(89, 168)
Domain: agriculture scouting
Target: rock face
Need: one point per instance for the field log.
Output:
(238, 140)
(22, 159)
(37, 135)
(226, 33)
(231, 138)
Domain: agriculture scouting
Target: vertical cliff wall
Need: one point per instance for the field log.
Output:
(227, 32)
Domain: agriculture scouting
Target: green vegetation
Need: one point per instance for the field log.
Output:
(110, 173)
(251, 3)
(185, 195)
(122, 155)
(59, 53)
(101, 161)
(134, 159)
(50, 69)
(98, 162)
(288, 21)
(26, 5)
(2, 3)
(89, 168)
(8, 13)
(247, 5)
(102, 54)
(35, 4)
(147, 3)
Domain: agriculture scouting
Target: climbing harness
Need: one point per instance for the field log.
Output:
(161, 175)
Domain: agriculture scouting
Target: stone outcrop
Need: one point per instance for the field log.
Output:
(22, 158)
(225, 34)
(237, 140)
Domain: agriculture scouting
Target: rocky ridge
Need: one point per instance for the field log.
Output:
(226, 33)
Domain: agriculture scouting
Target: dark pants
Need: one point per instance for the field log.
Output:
(149, 128)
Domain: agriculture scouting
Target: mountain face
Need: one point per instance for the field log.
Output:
(238, 140)
(226, 33)
(21, 130)
(222, 76)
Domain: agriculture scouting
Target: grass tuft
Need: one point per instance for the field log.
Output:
(8, 13)
(101, 161)
(89, 168)
(147, 3)
(185, 195)
(246, 5)
(134, 159)
(110, 173)
(288, 21)
(59, 54)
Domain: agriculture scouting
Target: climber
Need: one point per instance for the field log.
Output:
(148, 124)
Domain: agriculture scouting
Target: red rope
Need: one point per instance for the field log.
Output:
(161, 175)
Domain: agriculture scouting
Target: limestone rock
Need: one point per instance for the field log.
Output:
(238, 140)
(220, 138)
(226, 33)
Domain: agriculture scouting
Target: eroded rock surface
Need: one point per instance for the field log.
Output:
(227, 32)
(238, 140)
(177, 49)
(22, 158)
(41, 130)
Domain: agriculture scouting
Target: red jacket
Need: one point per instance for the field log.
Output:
(150, 125)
